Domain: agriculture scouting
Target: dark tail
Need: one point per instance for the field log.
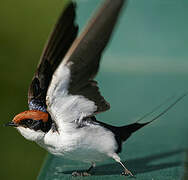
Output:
(125, 131)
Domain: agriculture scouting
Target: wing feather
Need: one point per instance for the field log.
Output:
(57, 46)
(86, 51)
(73, 94)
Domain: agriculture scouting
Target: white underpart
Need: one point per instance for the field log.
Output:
(90, 143)
(31, 134)
(62, 106)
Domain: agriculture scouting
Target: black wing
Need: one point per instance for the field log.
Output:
(72, 85)
(57, 46)
(86, 52)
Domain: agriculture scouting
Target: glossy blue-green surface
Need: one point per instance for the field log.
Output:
(157, 151)
(145, 64)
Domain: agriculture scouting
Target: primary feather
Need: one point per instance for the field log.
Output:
(60, 40)
(73, 94)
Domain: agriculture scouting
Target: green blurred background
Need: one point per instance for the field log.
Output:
(145, 63)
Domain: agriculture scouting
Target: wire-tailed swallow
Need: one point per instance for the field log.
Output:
(64, 98)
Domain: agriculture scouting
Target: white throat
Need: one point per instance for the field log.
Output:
(31, 134)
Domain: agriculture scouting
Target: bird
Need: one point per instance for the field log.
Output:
(64, 97)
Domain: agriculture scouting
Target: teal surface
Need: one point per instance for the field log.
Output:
(145, 63)
(156, 151)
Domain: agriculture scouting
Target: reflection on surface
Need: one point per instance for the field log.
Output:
(185, 177)
(138, 165)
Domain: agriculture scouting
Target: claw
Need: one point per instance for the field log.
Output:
(80, 174)
(127, 173)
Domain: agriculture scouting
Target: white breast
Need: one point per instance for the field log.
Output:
(89, 144)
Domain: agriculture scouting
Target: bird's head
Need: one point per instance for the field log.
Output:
(32, 124)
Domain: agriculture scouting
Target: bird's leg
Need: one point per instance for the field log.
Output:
(117, 159)
(91, 167)
(85, 173)
(126, 171)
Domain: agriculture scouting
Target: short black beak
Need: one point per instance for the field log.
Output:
(11, 124)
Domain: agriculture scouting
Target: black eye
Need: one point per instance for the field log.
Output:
(26, 122)
(29, 121)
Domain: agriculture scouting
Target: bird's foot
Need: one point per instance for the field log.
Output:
(76, 173)
(127, 173)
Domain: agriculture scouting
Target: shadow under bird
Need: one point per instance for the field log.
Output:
(64, 98)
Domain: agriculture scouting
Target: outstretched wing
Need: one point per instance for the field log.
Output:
(57, 46)
(73, 94)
